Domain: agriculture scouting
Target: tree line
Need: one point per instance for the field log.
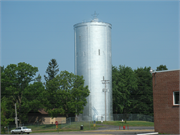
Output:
(132, 90)
(64, 93)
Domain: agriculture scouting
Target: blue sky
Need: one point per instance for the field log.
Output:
(144, 33)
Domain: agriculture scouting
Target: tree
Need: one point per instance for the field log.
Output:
(124, 83)
(5, 113)
(52, 70)
(161, 67)
(143, 96)
(2, 85)
(38, 79)
(66, 94)
(2, 69)
(16, 81)
(80, 93)
(32, 99)
(53, 95)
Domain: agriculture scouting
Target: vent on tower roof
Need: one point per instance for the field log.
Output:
(95, 19)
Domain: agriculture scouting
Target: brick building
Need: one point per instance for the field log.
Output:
(166, 101)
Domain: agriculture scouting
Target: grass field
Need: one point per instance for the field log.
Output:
(130, 123)
(75, 126)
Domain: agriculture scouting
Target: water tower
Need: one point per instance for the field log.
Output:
(93, 61)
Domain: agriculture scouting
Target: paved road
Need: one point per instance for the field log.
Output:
(100, 132)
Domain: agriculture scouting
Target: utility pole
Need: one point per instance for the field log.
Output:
(105, 90)
(16, 119)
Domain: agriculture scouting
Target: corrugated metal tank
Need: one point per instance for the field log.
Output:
(93, 61)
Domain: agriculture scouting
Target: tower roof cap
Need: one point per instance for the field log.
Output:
(95, 19)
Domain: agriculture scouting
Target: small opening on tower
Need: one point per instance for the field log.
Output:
(99, 51)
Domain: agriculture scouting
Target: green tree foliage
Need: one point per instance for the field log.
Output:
(2, 69)
(132, 90)
(5, 112)
(80, 93)
(52, 70)
(124, 82)
(16, 81)
(65, 94)
(143, 96)
(161, 67)
(2, 84)
(38, 79)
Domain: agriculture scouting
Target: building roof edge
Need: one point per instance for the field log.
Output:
(165, 71)
(95, 23)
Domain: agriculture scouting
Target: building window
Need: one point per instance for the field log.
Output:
(99, 51)
(176, 98)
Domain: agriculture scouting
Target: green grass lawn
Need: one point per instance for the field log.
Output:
(75, 126)
(130, 123)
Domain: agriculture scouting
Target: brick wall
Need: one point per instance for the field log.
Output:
(166, 115)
